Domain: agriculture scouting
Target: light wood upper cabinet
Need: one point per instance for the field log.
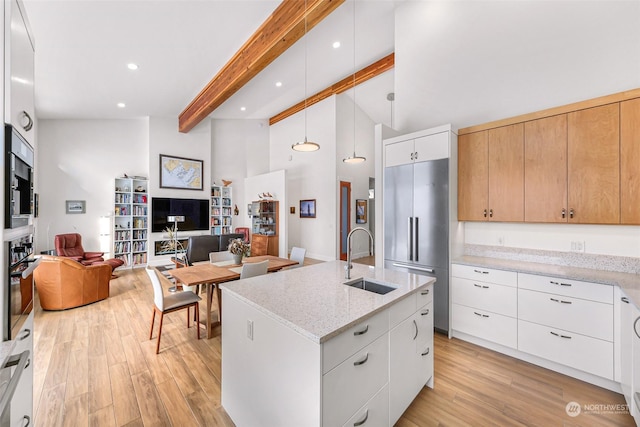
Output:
(473, 176)
(630, 161)
(506, 173)
(594, 165)
(545, 170)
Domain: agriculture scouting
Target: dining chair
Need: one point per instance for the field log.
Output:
(220, 256)
(251, 269)
(166, 304)
(297, 254)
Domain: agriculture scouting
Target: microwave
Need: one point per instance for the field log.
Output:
(18, 180)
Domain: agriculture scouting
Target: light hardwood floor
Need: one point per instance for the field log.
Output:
(95, 366)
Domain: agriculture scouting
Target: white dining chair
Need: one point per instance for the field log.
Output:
(220, 256)
(297, 254)
(166, 304)
(251, 269)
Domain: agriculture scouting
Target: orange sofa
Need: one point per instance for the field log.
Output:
(64, 283)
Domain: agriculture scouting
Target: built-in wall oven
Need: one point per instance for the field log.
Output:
(18, 190)
(19, 292)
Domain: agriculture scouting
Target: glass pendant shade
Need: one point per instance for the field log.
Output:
(305, 146)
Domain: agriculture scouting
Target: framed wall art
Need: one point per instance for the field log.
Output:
(308, 208)
(76, 206)
(361, 211)
(180, 172)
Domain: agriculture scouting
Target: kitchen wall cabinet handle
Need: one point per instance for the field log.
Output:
(484, 213)
(362, 332)
(26, 121)
(410, 237)
(24, 334)
(363, 361)
(480, 271)
(564, 213)
(635, 327)
(416, 326)
(625, 300)
(415, 156)
(571, 213)
(481, 315)
(424, 313)
(427, 291)
(559, 335)
(411, 156)
(362, 421)
(425, 353)
(490, 213)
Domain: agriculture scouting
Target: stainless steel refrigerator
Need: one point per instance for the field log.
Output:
(416, 226)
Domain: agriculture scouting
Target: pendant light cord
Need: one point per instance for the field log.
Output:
(305, 71)
(354, 78)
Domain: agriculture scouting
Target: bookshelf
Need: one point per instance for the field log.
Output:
(130, 224)
(221, 210)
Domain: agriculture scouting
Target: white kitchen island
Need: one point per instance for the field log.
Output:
(300, 348)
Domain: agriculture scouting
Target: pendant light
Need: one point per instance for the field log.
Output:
(354, 159)
(305, 145)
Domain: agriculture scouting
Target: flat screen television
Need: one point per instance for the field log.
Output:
(195, 212)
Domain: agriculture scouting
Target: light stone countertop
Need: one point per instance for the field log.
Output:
(628, 282)
(314, 301)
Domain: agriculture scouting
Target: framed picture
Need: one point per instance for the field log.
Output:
(361, 211)
(308, 208)
(76, 206)
(180, 172)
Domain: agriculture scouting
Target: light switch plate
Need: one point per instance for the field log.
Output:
(250, 329)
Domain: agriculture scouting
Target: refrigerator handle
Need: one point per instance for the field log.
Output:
(410, 237)
(415, 239)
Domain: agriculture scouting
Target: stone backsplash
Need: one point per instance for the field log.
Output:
(571, 259)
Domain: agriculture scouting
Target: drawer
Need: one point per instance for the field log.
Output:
(338, 348)
(486, 325)
(424, 296)
(424, 320)
(570, 288)
(577, 351)
(402, 309)
(352, 383)
(501, 277)
(375, 413)
(498, 299)
(584, 317)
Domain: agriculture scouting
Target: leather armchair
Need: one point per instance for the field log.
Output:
(64, 283)
(70, 246)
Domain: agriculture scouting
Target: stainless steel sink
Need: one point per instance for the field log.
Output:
(371, 286)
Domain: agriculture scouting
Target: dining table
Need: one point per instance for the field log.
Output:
(212, 274)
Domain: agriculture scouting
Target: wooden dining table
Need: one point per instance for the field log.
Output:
(212, 274)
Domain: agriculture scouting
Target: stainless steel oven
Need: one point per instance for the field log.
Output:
(18, 179)
(19, 292)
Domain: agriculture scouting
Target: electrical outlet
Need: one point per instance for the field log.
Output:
(250, 329)
(500, 241)
(577, 246)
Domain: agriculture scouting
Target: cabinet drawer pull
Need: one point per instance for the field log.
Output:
(26, 418)
(558, 335)
(363, 361)
(425, 292)
(362, 421)
(425, 353)
(362, 332)
(481, 287)
(416, 325)
(560, 301)
(480, 271)
(481, 315)
(624, 299)
(559, 283)
(24, 334)
(635, 327)
(424, 313)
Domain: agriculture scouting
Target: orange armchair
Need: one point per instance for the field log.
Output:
(63, 283)
(70, 246)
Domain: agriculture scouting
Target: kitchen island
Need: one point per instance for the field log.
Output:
(301, 348)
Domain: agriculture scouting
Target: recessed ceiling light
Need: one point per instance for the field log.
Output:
(121, 105)
(336, 45)
(243, 108)
(132, 66)
(278, 84)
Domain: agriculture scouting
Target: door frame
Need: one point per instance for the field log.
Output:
(343, 249)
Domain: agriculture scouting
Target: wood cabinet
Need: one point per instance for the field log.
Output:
(264, 228)
(630, 161)
(491, 175)
(593, 155)
(545, 170)
(262, 244)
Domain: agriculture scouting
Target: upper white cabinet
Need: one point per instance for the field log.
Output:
(19, 108)
(430, 147)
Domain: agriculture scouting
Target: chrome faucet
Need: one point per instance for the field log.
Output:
(349, 265)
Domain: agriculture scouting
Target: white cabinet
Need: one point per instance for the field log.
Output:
(636, 364)
(626, 348)
(131, 210)
(221, 210)
(422, 149)
(410, 352)
(22, 403)
(19, 69)
(484, 303)
(375, 413)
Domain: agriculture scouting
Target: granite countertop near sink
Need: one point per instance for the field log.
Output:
(629, 282)
(314, 301)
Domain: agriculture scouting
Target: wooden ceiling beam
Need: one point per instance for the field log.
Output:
(281, 30)
(361, 76)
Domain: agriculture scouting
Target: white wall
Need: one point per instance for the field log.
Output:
(239, 148)
(164, 138)
(275, 184)
(79, 160)
(309, 176)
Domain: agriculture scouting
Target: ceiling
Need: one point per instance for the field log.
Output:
(83, 48)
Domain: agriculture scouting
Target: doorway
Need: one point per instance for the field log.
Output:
(345, 217)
